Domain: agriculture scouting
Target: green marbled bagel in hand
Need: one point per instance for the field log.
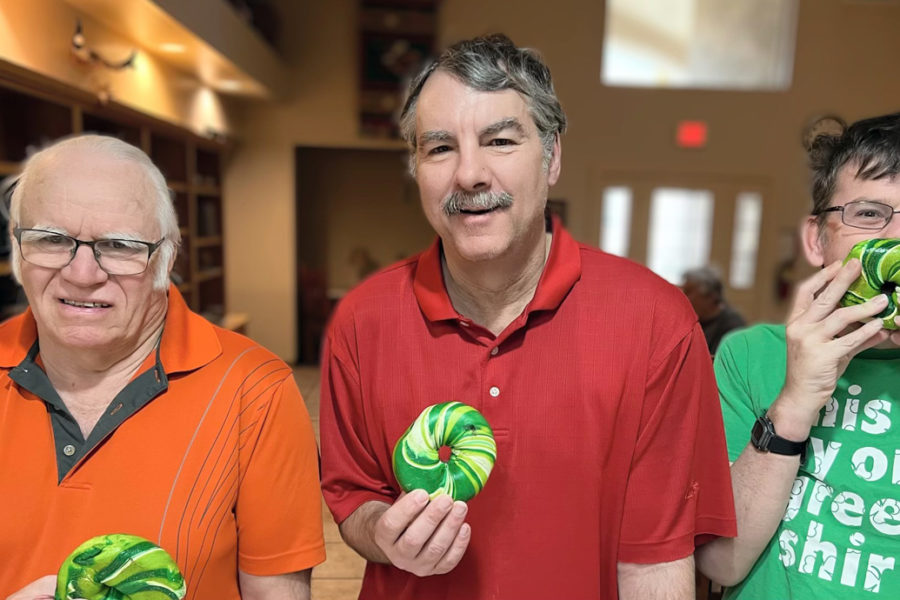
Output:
(880, 260)
(417, 462)
(119, 567)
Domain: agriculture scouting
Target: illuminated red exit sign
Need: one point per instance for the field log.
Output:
(691, 134)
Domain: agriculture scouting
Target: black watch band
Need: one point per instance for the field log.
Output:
(764, 439)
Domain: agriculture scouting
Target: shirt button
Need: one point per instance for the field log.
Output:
(495, 391)
(495, 350)
(69, 450)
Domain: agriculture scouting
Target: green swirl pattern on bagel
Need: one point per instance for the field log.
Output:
(119, 567)
(880, 260)
(417, 462)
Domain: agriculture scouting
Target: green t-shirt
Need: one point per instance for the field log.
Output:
(840, 536)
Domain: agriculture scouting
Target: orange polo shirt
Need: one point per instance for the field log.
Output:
(216, 461)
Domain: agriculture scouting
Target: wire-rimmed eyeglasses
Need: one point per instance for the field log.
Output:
(863, 214)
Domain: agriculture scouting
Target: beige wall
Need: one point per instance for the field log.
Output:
(845, 62)
(369, 203)
(37, 34)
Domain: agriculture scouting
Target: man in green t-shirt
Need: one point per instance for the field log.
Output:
(808, 407)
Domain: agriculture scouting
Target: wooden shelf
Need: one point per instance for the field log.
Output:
(5, 268)
(206, 190)
(210, 274)
(178, 186)
(9, 168)
(207, 241)
(235, 322)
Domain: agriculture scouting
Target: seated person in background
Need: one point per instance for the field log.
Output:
(808, 408)
(121, 411)
(703, 287)
(610, 455)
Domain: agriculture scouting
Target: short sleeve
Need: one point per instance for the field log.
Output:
(351, 473)
(679, 488)
(279, 508)
(738, 408)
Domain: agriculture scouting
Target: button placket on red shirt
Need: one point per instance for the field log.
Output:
(495, 398)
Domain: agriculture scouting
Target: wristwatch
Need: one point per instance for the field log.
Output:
(764, 439)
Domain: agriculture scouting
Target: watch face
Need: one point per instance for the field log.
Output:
(761, 434)
(764, 438)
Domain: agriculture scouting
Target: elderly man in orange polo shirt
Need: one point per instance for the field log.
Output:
(121, 411)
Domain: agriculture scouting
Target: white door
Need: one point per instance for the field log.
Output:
(673, 223)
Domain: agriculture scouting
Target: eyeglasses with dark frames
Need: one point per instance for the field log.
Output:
(863, 214)
(54, 250)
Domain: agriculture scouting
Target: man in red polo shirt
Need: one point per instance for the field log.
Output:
(121, 411)
(592, 371)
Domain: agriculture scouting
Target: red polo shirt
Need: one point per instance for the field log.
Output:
(214, 460)
(602, 400)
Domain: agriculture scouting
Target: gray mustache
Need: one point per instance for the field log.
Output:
(458, 201)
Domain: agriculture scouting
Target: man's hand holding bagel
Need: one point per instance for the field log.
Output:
(414, 534)
(822, 337)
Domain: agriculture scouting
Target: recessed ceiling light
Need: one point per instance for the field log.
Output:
(172, 48)
(230, 85)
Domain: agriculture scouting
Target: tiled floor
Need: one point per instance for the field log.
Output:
(340, 576)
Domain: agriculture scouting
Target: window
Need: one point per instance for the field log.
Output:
(745, 241)
(733, 44)
(616, 223)
(680, 231)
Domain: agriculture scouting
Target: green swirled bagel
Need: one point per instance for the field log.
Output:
(119, 567)
(417, 462)
(880, 260)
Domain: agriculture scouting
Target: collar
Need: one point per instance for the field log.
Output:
(561, 272)
(189, 341)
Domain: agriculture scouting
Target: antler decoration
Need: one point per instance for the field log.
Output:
(85, 54)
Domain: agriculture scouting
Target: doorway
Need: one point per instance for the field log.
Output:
(357, 211)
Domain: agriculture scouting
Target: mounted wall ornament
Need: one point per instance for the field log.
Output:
(396, 37)
(90, 57)
(85, 53)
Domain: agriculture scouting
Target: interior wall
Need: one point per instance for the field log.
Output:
(37, 35)
(845, 57)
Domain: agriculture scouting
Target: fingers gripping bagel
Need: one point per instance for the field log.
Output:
(120, 566)
(880, 260)
(417, 462)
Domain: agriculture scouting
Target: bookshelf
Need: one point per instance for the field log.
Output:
(34, 112)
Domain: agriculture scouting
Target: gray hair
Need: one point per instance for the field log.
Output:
(871, 146)
(491, 64)
(115, 148)
(707, 279)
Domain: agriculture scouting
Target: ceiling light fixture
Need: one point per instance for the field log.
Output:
(230, 85)
(172, 48)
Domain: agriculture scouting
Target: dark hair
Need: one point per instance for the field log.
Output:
(490, 64)
(707, 279)
(871, 146)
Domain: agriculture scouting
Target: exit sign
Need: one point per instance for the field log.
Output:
(691, 134)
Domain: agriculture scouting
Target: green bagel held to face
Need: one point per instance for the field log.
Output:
(880, 260)
(122, 567)
(417, 462)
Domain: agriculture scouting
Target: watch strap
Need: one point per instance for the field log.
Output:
(765, 439)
